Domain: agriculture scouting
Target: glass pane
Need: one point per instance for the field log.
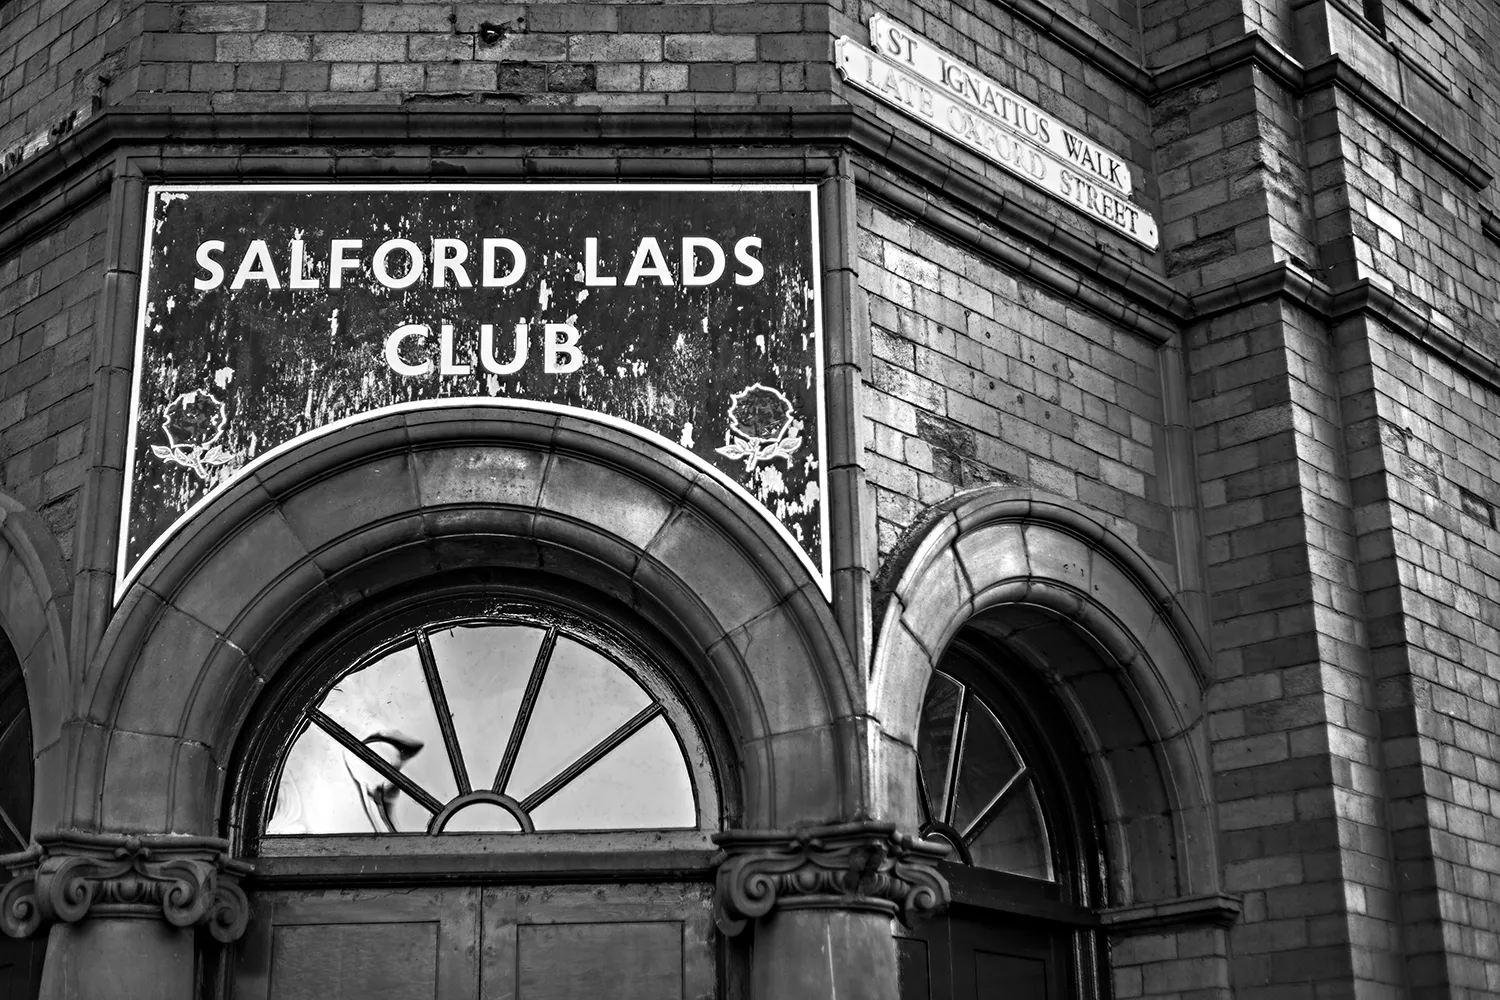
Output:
(482, 817)
(1015, 840)
(985, 763)
(326, 789)
(583, 699)
(389, 699)
(484, 670)
(935, 740)
(641, 784)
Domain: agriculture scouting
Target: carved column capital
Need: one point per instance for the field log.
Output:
(853, 866)
(187, 881)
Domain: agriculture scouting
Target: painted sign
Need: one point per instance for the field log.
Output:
(935, 87)
(686, 314)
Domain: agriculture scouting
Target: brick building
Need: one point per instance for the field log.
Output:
(1145, 559)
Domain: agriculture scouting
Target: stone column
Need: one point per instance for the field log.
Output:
(121, 912)
(821, 901)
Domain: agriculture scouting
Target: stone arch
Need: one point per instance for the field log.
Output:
(398, 497)
(1075, 601)
(36, 601)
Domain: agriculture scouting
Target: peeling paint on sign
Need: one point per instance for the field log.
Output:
(271, 312)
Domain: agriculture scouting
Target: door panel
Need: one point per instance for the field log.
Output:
(998, 959)
(361, 945)
(639, 961)
(967, 956)
(355, 961)
(1011, 977)
(647, 942)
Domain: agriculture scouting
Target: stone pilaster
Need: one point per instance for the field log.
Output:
(821, 900)
(120, 911)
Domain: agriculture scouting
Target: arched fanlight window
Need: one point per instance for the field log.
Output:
(978, 792)
(521, 719)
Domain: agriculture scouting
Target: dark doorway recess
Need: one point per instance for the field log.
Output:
(1005, 785)
(20, 961)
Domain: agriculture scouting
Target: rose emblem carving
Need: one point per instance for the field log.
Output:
(194, 423)
(761, 426)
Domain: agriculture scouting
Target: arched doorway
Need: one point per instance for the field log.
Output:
(485, 785)
(233, 622)
(1078, 643)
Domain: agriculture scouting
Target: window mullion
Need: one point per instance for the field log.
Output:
(961, 724)
(444, 716)
(604, 746)
(523, 714)
(362, 750)
(995, 804)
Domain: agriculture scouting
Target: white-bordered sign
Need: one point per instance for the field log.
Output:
(689, 315)
(935, 87)
(1025, 120)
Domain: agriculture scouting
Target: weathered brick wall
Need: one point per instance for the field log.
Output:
(48, 301)
(1175, 30)
(1296, 752)
(306, 54)
(1388, 211)
(977, 376)
(1235, 190)
(1170, 963)
(1426, 446)
(1459, 44)
(55, 54)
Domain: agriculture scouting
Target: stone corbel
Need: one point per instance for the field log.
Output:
(853, 866)
(187, 881)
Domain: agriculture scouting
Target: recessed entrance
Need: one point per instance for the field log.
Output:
(1000, 782)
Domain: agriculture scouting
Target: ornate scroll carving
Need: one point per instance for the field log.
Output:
(860, 866)
(187, 881)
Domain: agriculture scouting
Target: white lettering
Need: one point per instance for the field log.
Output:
(266, 271)
(338, 263)
(487, 350)
(565, 342)
(393, 350)
(297, 278)
(517, 267)
(656, 268)
(215, 272)
(446, 364)
(690, 247)
(591, 274)
(753, 269)
(382, 254)
(447, 258)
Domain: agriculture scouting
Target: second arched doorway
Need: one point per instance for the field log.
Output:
(1022, 632)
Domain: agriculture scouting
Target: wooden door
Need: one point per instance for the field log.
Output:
(972, 956)
(632, 941)
(21, 967)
